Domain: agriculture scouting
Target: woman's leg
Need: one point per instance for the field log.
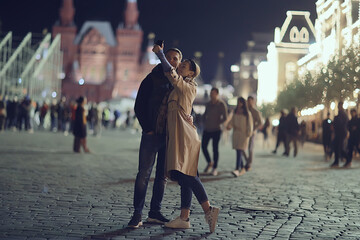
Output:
(239, 162)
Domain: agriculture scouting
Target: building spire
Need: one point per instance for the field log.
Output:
(131, 14)
(67, 13)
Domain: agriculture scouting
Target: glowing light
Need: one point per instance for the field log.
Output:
(20, 80)
(234, 68)
(38, 56)
(332, 105)
(53, 94)
(346, 104)
(312, 111)
(268, 87)
(275, 122)
(81, 81)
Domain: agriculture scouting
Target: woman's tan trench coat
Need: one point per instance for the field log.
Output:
(183, 143)
(243, 129)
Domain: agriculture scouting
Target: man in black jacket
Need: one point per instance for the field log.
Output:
(341, 131)
(353, 142)
(151, 111)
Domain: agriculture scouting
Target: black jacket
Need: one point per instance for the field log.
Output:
(151, 92)
(341, 124)
(292, 125)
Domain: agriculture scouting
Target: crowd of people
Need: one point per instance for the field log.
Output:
(59, 116)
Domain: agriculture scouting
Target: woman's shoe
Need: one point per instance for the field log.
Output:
(208, 167)
(236, 173)
(178, 223)
(211, 218)
(242, 171)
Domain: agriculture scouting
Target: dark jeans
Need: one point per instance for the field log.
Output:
(189, 184)
(239, 159)
(150, 145)
(281, 137)
(352, 143)
(339, 142)
(215, 136)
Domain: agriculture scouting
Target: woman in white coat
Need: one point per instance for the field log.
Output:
(183, 144)
(241, 122)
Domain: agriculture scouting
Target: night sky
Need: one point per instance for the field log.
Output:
(208, 26)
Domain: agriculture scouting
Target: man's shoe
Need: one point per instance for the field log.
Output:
(334, 165)
(156, 217)
(208, 167)
(285, 154)
(347, 165)
(214, 172)
(236, 173)
(211, 218)
(135, 221)
(178, 223)
(274, 152)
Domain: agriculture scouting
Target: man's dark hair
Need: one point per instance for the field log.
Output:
(175, 50)
(250, 97)
(215, 89)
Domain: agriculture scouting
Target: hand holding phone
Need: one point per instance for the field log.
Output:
(160, 43)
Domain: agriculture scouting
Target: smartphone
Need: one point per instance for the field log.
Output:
(159, 42)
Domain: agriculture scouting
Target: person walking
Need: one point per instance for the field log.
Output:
(215, 114)
(183, 143)
(281, 134)
(341, 131)
(151, 111)
(257, 122)
(2, 113)
(265, 131)
(326, 136)
(353, 141)
(79, 130)
(292, 132)
(242, 123)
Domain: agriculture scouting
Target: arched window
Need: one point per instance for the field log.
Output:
(294, 34)
(304, 35)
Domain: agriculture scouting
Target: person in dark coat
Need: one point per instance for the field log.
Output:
(326, 136)
(79, 129)
(292, 131)
(353, 142)
(341, 131)
(281, 135)
(151, 111)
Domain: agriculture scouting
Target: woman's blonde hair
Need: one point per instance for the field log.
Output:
(193, 67)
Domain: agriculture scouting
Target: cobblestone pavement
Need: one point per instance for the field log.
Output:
(48, 192)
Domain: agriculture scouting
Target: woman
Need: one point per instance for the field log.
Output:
(241, 122)
(79, 129)
(183, 145)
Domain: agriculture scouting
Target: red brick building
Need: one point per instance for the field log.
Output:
(101, 63)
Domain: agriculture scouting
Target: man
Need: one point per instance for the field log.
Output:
(292, 131)
(326, 136)
(151, 111)
(256, 126)
(340, 130)
(353, 142)
(215, 114)
(281, 135)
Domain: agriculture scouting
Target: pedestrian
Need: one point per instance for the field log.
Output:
(106, 117)
(183, 145)
(257, 122)
(303, 134)
(281, 134)
(242, 124)
(24, 109)
(151, 111)
(265, 131)
(292, 132)
(353, 141)
(326, 136)
(53, 116)
(341, 131)
(2, 113)
(215, 114)
(79, 130)
(43, 111)
(116, 117)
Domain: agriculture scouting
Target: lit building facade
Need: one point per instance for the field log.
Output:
(337, 28)
(246, 80)
(101, 63)
(291, 43)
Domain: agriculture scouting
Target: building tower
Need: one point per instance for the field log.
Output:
(219, 79)
(129, 38)
(67, 29)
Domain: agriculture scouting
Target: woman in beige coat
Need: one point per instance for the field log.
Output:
(183, 145)
(241, 122)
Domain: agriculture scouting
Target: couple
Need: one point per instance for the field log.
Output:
(163, 106)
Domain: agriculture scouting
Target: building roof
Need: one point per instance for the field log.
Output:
(104, 29)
